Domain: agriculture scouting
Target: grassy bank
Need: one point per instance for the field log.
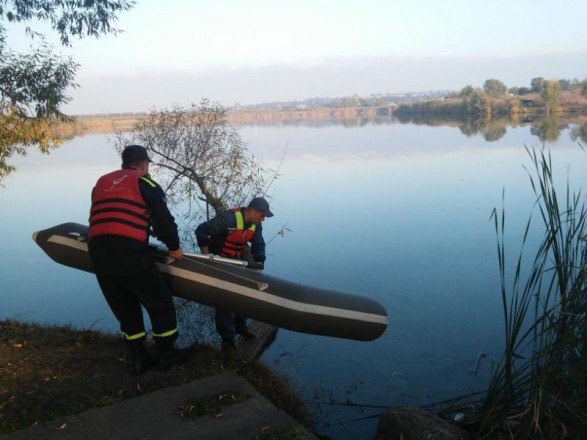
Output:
(51, 371)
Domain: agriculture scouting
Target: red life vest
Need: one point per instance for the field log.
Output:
(118, 208)
(236, 241)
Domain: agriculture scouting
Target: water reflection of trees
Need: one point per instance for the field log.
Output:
(494, 133)
(492, 129)
(579, 133)
(31, 133)
(547, 129)
(320, 123)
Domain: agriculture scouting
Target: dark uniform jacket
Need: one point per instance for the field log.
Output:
(213, 233)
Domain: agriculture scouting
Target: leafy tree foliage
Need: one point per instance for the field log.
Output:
(467, 91)
(70, 18)
(478, 104)
(565, 84)
(198, 157)
(550, 92)
(33, 85)
(536, 84)
(494, 87)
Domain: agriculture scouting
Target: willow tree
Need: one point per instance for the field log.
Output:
(199, 159)
(33, 85)
(550, 92)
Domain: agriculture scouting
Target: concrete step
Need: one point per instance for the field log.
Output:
(156, 416)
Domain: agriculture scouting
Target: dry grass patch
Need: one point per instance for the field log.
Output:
(49, 371)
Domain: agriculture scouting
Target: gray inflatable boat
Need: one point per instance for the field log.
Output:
(219, 282)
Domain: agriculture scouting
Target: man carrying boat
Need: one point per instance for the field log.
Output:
(126, 204)
(227, 235)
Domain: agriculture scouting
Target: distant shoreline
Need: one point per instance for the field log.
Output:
(244, 116)
(112, 122)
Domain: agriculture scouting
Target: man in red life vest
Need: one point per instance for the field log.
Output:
(227, 235)
(125, 205)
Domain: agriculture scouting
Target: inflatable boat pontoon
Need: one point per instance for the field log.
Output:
(214, 282)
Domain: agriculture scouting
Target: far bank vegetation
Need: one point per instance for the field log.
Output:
(495, 99)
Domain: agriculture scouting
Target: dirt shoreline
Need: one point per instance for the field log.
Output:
(48, 372)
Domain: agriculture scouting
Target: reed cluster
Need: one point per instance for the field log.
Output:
(539, 388)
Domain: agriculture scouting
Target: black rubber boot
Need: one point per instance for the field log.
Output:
(171, 356)
(228, 344)
(246, 333)
(139, 359)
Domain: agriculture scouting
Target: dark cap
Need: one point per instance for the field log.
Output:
(261, 205)
(134, 153)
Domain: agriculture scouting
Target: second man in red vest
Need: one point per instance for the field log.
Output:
(227, 235)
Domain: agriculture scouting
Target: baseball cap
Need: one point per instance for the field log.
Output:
(134, 153)
(261, 205)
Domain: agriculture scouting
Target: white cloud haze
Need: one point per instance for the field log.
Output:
(250, 51)
(332, 78)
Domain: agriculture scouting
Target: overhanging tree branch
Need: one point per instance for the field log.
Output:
(33, 85)
(198, 156)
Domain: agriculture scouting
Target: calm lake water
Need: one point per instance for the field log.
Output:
(398, 212)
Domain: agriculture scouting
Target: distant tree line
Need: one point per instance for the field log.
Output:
(496, 88)
(475, 100)
(354, 101)
(495, 98)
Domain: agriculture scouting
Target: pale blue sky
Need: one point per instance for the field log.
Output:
(257, 50)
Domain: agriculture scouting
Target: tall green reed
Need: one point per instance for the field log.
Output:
(538, 390)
